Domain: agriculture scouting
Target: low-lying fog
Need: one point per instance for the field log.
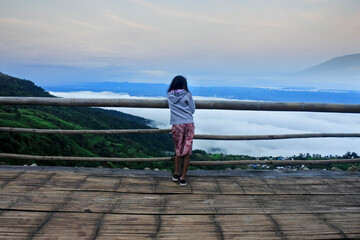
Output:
(255, 123)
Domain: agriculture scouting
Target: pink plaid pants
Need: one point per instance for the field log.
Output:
(182, 135)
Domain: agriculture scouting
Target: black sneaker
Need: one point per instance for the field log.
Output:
(182, 182)
(175, 178)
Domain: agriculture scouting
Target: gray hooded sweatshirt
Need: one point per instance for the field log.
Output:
(181, 106)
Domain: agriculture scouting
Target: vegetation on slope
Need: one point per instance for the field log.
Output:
(134, 145)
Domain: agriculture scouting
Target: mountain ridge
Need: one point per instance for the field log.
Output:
(347, 64)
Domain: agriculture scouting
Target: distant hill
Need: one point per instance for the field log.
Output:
(137, 145)
(348, 65)
(337, 73)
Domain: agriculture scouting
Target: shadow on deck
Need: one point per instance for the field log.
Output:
(80, 203)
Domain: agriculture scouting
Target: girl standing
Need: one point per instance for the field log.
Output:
(182, 108)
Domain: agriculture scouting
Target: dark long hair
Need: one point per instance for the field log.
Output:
(179, 82)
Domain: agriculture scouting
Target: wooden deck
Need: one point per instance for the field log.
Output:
(74, 203)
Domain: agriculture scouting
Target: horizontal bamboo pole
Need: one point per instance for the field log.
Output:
(200, 104)
(63, 131)
(275, 137)
(192, 163)
(196, 136)
(90, 159)
(274, 162)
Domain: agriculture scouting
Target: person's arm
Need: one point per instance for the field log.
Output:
(191, 104)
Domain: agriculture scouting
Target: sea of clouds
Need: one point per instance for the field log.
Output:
(225, 122)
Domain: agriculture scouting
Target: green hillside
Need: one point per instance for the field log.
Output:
(131, 145)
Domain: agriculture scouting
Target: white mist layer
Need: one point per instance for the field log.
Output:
(226, 122)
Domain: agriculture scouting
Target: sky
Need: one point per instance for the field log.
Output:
(229, 43)
(223, 122)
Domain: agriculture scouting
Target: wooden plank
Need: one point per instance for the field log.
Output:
(7, 200)
(352, 181)
(235, 204)
(228, 186)
(124, 226)
(275, 204)
(306, 180)
(166, 185)
(94, 183)
(345, 188)
(40, 200)
(349, 223)
(334, 204)
(188, 204)
(64, 181)
(254, 186)
(289, 189)
(349, 185)
(354, 198)
(138, 203)
(305, 226)
(187, 227)
(137, 185)
(96, 202)
(19, 225)
(33, 178)
(277, 181)
(199, 186)
(211, 204)
(319, 189)
(26, 182)
(8, 175)
(248, 226)
(69, 226)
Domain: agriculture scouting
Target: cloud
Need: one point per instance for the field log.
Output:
(20, 22)
(157, 73)
(224, 122)
(85, 24)
(173, 12)
(130, 23)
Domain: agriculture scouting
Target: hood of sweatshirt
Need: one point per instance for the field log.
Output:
(176, 96)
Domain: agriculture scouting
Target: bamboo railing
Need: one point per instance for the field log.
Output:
(196, 136)
(200, 104)
(275, 162)
(82, 159)
(63, 131)
(166, 159)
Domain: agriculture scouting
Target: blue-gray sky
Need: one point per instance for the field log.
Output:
(211, 42)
